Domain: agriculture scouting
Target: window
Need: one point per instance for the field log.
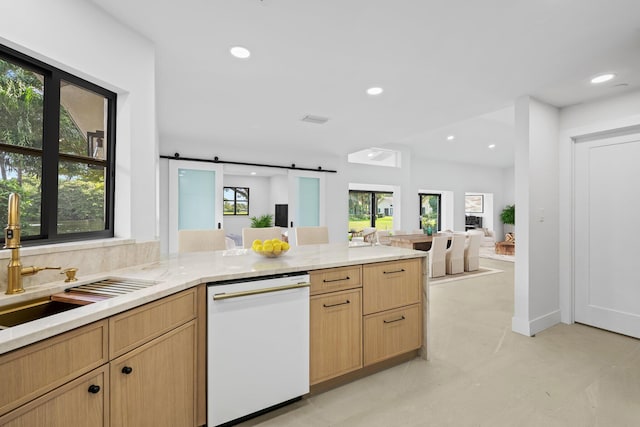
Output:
(236, 200)
(57, 151)
(430, 210)
(361, 206)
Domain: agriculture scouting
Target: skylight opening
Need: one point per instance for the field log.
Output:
(376, 157)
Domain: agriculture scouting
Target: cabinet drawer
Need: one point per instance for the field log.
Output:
(391, 284)
(140, 325)
(70, 405)
(34, 370)
(392, 333)
(335, 334)
(335, 279)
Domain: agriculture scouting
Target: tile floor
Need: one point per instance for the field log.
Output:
(482, 374)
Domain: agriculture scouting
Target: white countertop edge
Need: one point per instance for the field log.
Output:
(176, 273)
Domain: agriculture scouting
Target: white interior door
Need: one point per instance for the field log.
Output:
(195, 198)
(306, 200)
(607, 252)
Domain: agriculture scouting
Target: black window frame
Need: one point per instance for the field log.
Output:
(235, 200)
(373, 203)
(439, 219)
(51, 157)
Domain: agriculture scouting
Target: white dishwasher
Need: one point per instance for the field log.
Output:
(257, 345)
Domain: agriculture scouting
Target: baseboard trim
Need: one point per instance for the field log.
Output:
(543, 322)
(532, 327)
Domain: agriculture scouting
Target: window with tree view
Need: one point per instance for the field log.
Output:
(236, 201)
(56, 150)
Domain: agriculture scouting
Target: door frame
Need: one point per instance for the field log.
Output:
(567, 153)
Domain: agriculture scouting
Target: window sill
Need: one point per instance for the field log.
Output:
(68, 247)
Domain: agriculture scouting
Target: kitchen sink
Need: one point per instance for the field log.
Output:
(32, 310)
(73, 297)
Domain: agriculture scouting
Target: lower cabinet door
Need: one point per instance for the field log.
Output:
(80, 403)
(336, 334)
(154, 385)
(392, 333)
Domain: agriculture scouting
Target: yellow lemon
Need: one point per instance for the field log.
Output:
(257, 248)
(277, 246)
(256, 242)
(285, 246)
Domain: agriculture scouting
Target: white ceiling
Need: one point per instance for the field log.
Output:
(443, 65)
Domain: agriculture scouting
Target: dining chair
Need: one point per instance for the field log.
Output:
(369, 234)
(250, 234)
(455, 254)
(383, 237)
(437, 256)
(201, 240)
(472, 251)
(311, 235)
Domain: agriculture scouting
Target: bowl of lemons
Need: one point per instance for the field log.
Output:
(270, 248)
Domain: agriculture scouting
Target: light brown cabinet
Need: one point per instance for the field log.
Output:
(137, 368)
(346, 336)
(392, 284)
(82, 402)
(391, 333)
(154, 385)
(335, 335)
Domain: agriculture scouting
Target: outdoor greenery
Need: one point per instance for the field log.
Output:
(382, 223)
(81, 191)
(430, 215)
(262, 221)
(508, 215)
(360, 211)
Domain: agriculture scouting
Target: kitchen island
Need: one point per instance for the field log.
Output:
(179, 279)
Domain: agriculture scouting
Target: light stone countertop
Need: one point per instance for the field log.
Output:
(175, 273)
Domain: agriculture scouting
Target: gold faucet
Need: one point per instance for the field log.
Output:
(15, 270)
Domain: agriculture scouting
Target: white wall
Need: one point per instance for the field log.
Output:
(537, 266)
(580, 120)
(63, 34)
(259, 201)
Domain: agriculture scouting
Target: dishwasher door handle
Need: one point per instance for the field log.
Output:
(223, 296)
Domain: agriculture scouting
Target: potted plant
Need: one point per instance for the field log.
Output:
(262, 221)
(508, 217)
(428, 225)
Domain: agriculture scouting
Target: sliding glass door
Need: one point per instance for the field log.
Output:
(195, 198)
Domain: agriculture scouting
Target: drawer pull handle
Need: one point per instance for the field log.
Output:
(335, 280)
(94, 388)
(335, 305)
(402, 270)
(395, 320)
(127, 370)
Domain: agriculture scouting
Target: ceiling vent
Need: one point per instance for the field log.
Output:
(319, 120)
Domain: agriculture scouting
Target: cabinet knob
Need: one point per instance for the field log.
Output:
(94, 388)
(127, 370)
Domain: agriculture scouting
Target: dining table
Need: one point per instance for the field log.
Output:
(421, 242)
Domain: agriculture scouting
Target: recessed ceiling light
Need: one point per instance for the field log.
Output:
(240, 52)
(253, 173)
(375, 90)
(602, 78)
(371, 154)
(492, 146)
(451, 137)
